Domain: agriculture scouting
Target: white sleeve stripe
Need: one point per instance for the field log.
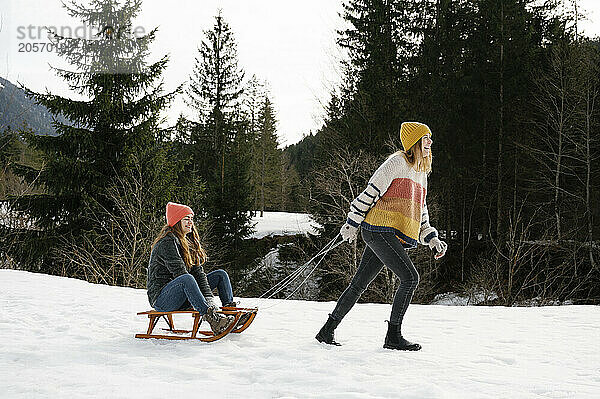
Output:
(361, 205)
(369, 195)
(359, 211)
(353, 206)
(375, 187)
(366, 201)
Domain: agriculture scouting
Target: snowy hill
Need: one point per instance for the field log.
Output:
(65, 338)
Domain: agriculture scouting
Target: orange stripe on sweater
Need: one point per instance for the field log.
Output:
(406, 188)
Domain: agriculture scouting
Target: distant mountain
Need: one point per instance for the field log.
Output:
(16, 108)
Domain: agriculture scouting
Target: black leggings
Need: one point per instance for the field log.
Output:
(381, 249)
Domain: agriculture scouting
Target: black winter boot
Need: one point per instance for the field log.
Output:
(394, 340)
(326, 333)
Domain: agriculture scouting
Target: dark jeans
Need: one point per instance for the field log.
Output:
(381, 249)
(183, 291)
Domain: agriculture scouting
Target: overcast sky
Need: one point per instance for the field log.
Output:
(289, 43)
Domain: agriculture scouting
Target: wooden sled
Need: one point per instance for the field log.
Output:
(207, 336)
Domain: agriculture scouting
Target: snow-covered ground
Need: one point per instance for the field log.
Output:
(65, 338)
(283, 223)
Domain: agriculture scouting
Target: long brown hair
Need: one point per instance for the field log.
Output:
(414, 157)
(193, 253)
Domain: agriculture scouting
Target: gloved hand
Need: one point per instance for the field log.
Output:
(348, 232)
(439, 246)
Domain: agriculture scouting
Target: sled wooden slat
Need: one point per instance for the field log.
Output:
(159, 336)
(205, 336)
(241, 328)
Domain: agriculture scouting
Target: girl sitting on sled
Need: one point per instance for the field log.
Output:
(176, 278)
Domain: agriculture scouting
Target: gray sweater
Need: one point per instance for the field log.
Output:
(166, 263)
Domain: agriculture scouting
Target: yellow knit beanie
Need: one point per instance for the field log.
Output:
(411, 132)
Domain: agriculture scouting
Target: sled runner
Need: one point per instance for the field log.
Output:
(243, 318)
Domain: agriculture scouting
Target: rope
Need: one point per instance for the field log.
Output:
(292, 276)
(313, 269)
(330, 246)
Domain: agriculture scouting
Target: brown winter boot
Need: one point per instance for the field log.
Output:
(243, 318)
(218, 322)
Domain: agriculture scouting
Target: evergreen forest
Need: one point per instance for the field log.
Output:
(509, 88)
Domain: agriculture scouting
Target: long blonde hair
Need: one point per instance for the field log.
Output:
(414, 157)
(193, 253)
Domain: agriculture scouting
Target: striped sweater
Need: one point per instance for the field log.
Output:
(394, 201)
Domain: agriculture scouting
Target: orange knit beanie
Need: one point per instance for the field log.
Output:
(176, 212)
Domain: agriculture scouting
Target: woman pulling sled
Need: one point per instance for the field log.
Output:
(392, 216)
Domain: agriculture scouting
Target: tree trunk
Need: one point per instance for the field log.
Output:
(588, 208)
(262, 178)
(558, 165)
(463, 227)
(499, 170)
(500, 181)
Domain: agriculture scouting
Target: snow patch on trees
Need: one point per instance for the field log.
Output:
(283, 223)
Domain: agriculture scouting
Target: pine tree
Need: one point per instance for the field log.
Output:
(219, 140)
(589, 150)
(268, 156)
(254, 92)
(214, 90)
(113, 127)
(371, 97)
(444, 95)
(289, 185)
